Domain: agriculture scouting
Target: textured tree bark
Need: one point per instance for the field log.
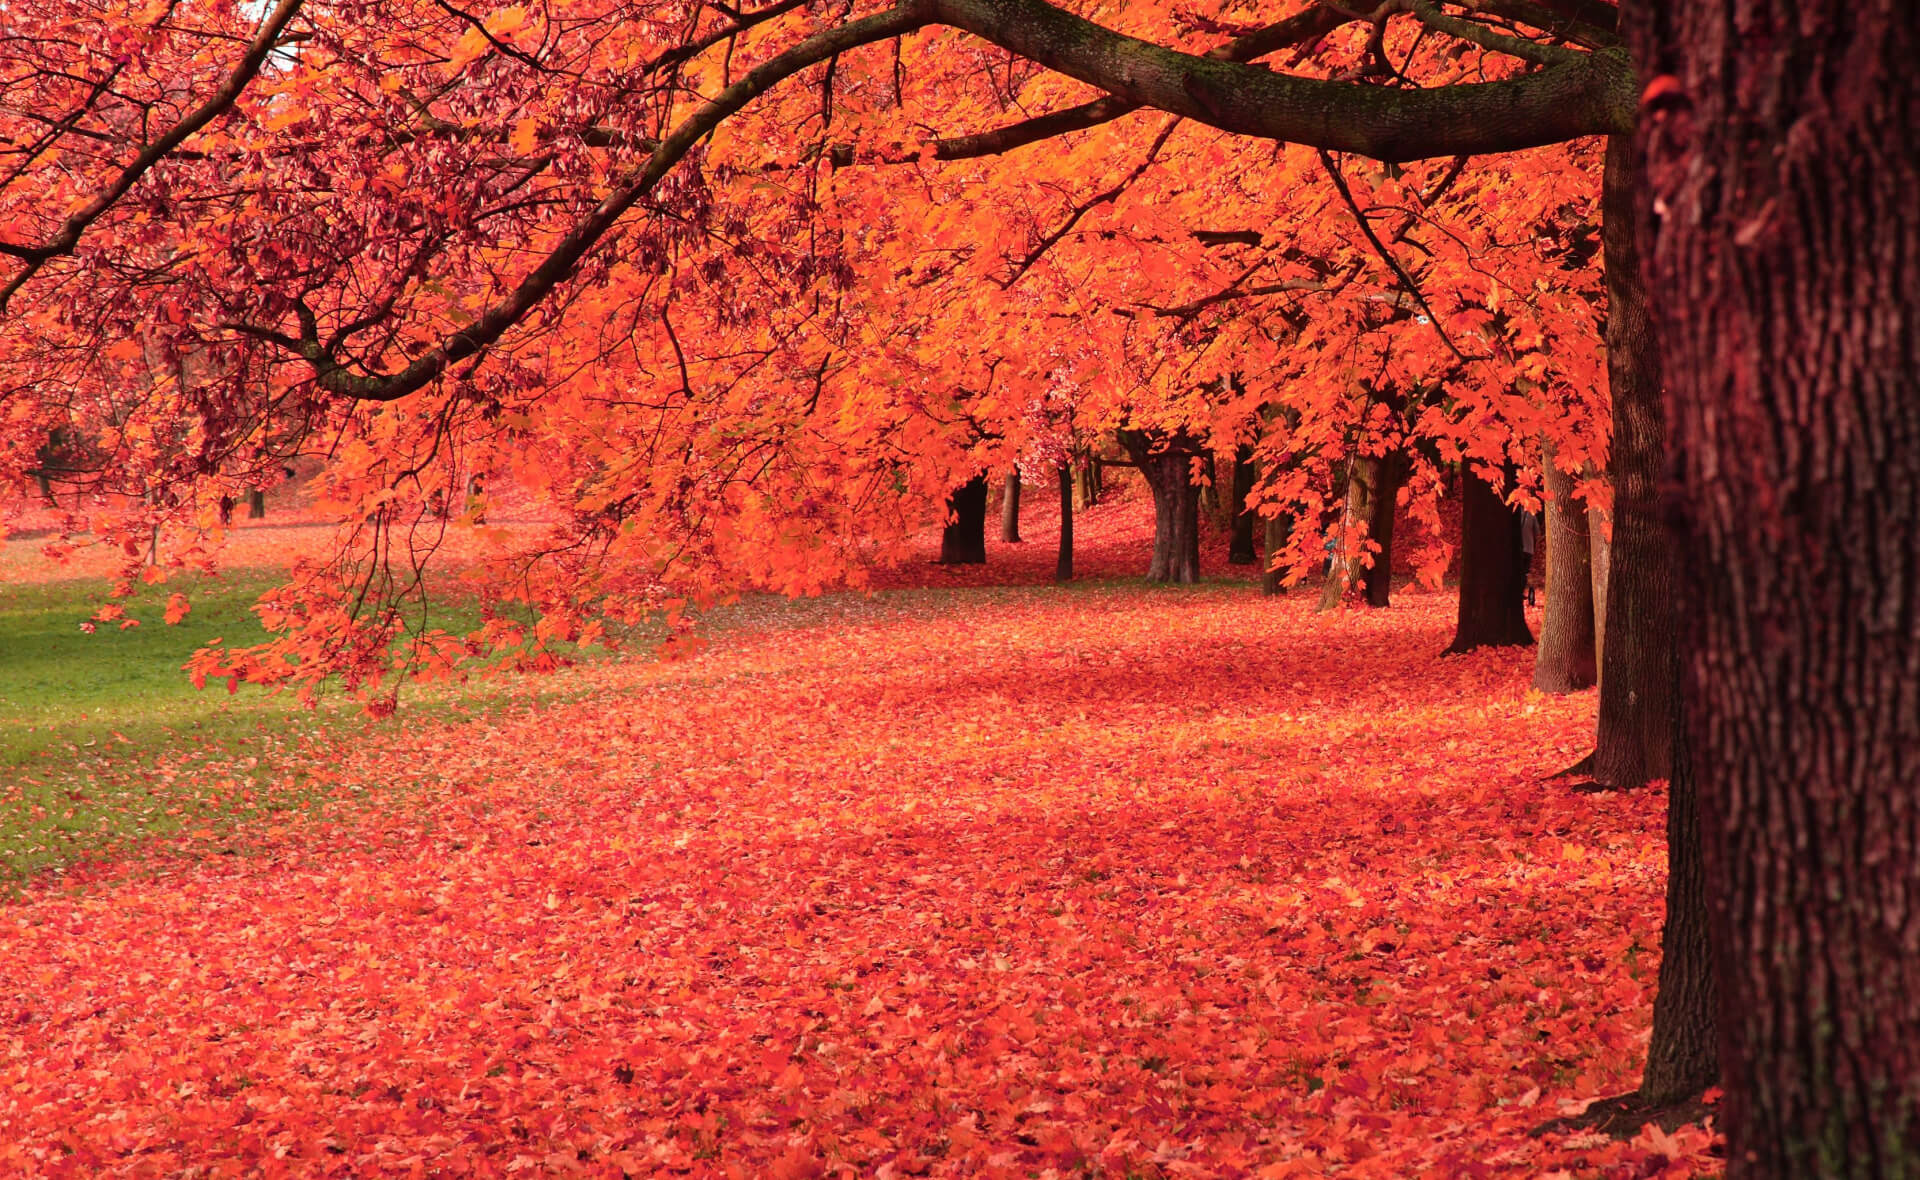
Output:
(1240, 550)
(1010, 509)
(1634, 736)
(964, 540)
(1784, 158)
(1063, 564)
(1493, 574)
(1566, 661)
(1167, 465)
(1682, 1059)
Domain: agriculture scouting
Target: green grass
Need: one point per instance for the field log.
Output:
(104, 741)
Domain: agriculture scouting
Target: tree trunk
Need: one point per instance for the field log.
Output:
(1345, 568)
(256, 504)
(1389, 471)
(1087, 484)
(1240, 550)
(1493, 572)
(1176, 503)
(1278, 533)
(1063, 565)
(1600, 548)
(1010, 509)
(1566, 662)
(1632, 744)
(1784, 162)
(1212, 505)
(1682, 1059)
(964, 541)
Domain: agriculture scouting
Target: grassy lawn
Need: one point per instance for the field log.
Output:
(105, 742)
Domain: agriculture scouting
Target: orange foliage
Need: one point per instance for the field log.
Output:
(1107, 882)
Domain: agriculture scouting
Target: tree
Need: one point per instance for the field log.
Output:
(964, 539)
(1568, 659)
(1787, 285)
(1240, 550)
(1796, 457)
(1167, 464)
(1010, 508)
(1493, 574)
(1634, 734)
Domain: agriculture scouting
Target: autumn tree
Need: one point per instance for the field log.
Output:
(408, 293)
(1786, 286)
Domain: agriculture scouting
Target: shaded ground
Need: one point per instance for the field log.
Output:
(1114, 882)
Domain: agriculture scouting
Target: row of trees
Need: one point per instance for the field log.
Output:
(702, 280)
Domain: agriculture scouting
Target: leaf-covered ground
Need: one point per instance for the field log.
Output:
(1094, 882)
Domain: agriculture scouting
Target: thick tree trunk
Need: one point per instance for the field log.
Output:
(1176, 503)
(1493, 572)
(1063, 565)
(1240, 550)
(964, 541)
(256, 504)
(1632, 744)
(1785, 159)
(1566, 662)
(1010, 509)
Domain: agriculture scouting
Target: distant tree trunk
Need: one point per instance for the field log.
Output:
(964, 541)
(1240, 550)
(226, 510)
(1390, 471)
(1784, 165)
(1493, 572)
(1212, 504)
(256, 504)
(1343, 569)
(1373, 484)
(1600, 547)
(1631, 746)
(1010, 509)
(1176, 503)
(1278, 534)
(1087, 483)
(1063, 565)
(1566, 661)
(46, 488)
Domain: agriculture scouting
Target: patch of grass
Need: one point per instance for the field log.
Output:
(104, 741)
(63, 691)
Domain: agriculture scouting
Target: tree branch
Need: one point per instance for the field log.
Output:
(1593, 95)
(335, 377)
(217, 104)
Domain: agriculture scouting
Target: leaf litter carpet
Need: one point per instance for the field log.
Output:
(1095, 882)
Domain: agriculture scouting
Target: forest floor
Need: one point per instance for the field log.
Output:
(961, 880)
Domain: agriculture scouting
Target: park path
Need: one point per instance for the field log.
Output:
(1104, 881)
